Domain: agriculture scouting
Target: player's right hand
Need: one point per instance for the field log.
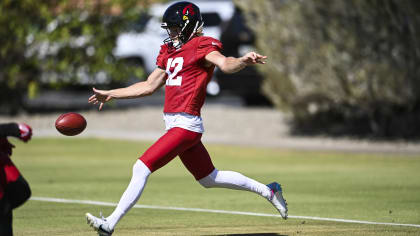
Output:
(25, 132)
(99, 96)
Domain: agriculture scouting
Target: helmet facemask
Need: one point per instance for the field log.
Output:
(178, 36)
(174, 36)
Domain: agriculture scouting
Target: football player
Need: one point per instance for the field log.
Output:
(14, 190)
(185, 64)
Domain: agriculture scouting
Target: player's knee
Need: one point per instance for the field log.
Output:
(210, 180)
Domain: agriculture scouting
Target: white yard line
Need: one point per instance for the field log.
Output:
(89, 202)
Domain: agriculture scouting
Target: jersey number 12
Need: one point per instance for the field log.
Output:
(173, 79)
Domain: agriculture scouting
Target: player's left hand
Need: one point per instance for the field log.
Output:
(252, 58)
(5, 146)
(25, 132)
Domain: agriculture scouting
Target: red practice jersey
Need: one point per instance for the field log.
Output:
(185, 89)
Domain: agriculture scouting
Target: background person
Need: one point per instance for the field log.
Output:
(14, 190)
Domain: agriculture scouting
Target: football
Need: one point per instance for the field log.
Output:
(70, 124)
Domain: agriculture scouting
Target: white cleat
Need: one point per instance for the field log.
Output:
(277, 199)
(99, 225)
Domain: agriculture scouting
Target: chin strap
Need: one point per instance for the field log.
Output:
(196, 28)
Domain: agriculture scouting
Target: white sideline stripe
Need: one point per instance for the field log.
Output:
(89, 202)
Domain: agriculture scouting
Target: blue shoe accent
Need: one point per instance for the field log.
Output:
(275, 187)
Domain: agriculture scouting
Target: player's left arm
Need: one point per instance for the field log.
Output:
(232, 64)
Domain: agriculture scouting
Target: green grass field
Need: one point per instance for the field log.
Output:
(369, 187)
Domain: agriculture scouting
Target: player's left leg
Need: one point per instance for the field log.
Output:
(198, 162)
(175, 141)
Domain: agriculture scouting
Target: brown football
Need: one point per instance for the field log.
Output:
(70, 124)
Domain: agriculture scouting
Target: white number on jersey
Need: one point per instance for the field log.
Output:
(174, 80)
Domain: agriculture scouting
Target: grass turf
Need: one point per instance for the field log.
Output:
(371, 187)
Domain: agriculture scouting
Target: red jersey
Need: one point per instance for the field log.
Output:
(187, 80)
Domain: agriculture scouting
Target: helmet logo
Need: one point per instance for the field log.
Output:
(188, 10)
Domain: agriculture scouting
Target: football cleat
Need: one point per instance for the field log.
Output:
(99, 225)
(277, 199)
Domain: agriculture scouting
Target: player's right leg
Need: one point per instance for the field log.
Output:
(105, 226)
(198, 162)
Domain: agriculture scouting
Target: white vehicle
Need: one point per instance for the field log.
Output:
(143, 47)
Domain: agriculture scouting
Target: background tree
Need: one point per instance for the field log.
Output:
(60, 42)
(342, 66)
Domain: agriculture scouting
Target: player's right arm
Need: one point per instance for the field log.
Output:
(155, 80)
(21, 131)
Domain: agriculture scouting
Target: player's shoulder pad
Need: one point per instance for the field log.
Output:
(206, 41)
(160, 60)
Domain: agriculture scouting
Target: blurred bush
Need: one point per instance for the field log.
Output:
(60, 43)
(342, 67)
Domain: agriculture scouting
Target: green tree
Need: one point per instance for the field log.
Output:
(58, 43)
(342, 66)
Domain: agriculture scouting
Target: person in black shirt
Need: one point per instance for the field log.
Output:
(14, 189)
